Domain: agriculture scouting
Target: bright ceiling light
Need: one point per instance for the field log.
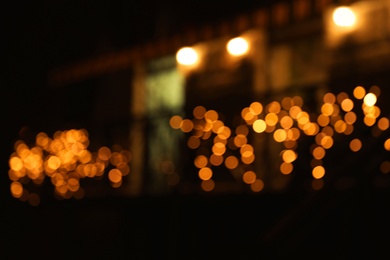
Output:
(187, 56)
(344, 17)
(237, 46)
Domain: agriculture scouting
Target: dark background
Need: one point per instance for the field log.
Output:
(43, 35)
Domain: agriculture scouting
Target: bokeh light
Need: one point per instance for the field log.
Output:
(65, 160)
(344, 16)
(237, 46)
(187, 56)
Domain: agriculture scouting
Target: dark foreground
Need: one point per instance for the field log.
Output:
(327, 224)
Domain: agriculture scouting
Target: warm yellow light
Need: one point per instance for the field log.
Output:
(187, 56)
(237, 46)
(344, 17)
(370, 99)
(259, 126)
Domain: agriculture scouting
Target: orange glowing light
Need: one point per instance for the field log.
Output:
(359, 92)
(240, 140)
(318, 172)
(205, 173)
(199, 112)
(286, 122)
(294, 111)
(115, 175)
(208, 185)
(104, 153)
(219, 148)
(286, 168)
(187, 125)
(248, 158)
(242, 129)
(387, 144)
(355, 145)
(200, 161)
(256, 108)
(327, 142)
(347, 105)
(211, 116)
(175, 122)
(383, 123)
(257, 185)
(16, 164)
(271, 119)
(16, 189)
(249, 177)
(193, 142)
(216, 160)
(350, 118)
(280, 135)
(319, 153)
(231, 162)
(289, 156)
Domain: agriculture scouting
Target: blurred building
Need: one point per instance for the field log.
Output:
(222, 120)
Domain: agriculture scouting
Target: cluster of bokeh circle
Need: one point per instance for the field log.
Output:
(65, 160)
(286, 121)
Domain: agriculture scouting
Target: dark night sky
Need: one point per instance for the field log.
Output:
(42, 35)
